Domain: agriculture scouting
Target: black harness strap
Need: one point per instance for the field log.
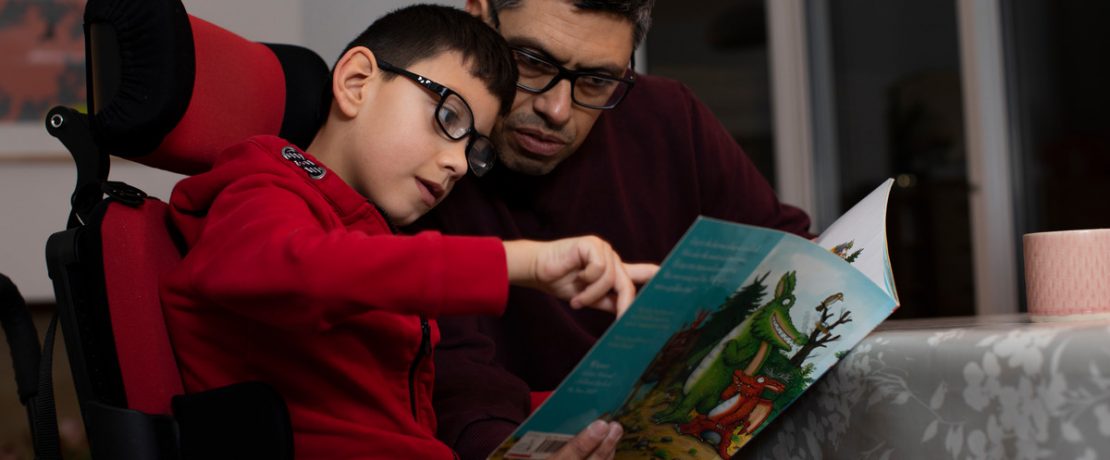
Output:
(34, 379)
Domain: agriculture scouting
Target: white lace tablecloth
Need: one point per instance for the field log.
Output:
(959, 388)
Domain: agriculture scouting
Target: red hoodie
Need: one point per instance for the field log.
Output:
(294, 279)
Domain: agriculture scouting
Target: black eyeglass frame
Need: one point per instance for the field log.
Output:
(444, 92)
(573, 75)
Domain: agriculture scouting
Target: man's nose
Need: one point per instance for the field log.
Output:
(555, 104)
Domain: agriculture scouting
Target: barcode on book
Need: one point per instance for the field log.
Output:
(535, 445)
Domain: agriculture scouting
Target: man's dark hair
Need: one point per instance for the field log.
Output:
(636, 11)
(418, 32)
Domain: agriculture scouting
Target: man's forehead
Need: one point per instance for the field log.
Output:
(579, 37)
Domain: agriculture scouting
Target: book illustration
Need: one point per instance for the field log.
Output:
(844, 250)
(719, 394)
(737, 324)
(747, 347)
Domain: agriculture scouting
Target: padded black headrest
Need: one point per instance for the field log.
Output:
(171, 91)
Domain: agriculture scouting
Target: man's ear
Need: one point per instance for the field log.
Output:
(352, 81)
(480, 9)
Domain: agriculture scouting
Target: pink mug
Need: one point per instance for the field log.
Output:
(1067, 274)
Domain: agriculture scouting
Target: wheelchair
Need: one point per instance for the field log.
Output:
(170, 91)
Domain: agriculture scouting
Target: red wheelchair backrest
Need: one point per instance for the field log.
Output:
(141, 251)
(171, 91)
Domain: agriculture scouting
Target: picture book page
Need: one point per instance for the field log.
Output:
(859, 236)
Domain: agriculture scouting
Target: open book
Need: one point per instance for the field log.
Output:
(736, 325)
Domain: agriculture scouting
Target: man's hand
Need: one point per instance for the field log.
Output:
(597, 442)
(584, 270)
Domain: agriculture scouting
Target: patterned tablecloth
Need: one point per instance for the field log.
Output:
(966, 388)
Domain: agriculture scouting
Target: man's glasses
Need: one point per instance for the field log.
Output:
(588, 89)
(455, 119)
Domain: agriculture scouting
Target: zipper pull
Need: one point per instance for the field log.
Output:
(426, 339)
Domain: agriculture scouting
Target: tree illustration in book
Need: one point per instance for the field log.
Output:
(736, 325)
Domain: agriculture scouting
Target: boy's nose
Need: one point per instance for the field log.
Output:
(555, 104)
(453, 159)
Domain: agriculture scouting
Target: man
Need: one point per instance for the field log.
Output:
(588, 147)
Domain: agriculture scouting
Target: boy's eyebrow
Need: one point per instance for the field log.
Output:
(534, 45)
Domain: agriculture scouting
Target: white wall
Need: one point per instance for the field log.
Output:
(36, 175)
(323, 26)
(276, 21)
(34, 202)
(330, 25)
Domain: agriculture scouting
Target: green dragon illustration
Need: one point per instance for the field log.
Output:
(746, 347)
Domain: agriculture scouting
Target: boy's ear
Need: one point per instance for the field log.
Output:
(480, 10)
(352, 80)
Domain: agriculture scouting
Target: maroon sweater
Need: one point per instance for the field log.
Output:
(646, 171)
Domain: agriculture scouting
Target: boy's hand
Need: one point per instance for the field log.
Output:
(584, 270)
(597, 442)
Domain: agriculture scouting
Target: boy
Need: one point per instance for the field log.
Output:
(293, 275)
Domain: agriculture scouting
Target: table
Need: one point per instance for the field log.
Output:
(995, 387)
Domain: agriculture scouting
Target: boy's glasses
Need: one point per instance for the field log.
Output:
(588, 89)
(456, 120)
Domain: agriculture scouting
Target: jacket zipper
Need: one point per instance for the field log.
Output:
(424, 350)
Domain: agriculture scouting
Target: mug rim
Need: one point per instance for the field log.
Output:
(1078, 231)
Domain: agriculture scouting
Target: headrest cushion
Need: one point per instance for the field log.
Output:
(140, 69)
(188, 89)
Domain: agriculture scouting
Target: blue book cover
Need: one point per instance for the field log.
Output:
(736, 325)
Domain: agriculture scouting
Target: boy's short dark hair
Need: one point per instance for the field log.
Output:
(417, 32)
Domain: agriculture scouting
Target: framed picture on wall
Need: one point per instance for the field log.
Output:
(42, 52)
